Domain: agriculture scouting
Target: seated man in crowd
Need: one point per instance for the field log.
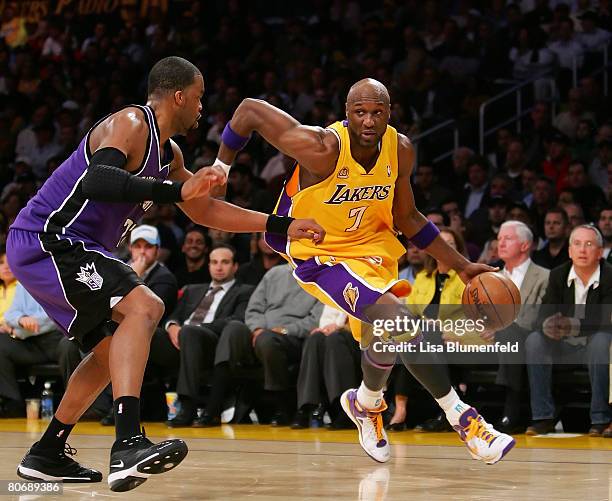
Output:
(193, 329)
(515, 242)
(193, 268)
(556, 230)
(575, 328)
(144, 253)
(30, 337)
(280, 316)
(331, 364)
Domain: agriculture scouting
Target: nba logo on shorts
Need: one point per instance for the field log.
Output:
(351, 295)
(90, 277)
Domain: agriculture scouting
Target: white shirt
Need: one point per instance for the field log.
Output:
(517, 275)
(332, 316)
(210, 316)
(581, 291)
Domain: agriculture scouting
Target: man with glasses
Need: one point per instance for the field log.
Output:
(575, 328)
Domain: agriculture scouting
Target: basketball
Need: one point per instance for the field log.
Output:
(493, 298)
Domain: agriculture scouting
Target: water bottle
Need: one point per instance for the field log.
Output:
(46, 402)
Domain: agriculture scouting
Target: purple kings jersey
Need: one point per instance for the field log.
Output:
(61, 208)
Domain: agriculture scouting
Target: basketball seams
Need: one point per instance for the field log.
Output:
(484, 289)
(511, 295)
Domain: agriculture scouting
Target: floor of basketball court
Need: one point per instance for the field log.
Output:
(260, 462)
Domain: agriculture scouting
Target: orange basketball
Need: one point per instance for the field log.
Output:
(493, 298)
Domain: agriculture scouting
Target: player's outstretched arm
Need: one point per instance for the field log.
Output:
(213, 213)
(412, 223)
(315, 149)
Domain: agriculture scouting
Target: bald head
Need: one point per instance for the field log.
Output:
(367, 113)
(370, 90)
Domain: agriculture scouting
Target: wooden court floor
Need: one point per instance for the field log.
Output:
(264, 463)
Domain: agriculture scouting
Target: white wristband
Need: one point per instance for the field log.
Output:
(226, 168)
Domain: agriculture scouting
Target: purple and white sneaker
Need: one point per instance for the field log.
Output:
(372, 435)
(483, 441)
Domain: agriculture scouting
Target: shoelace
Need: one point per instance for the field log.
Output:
(477, 428)
(377, 421)
(68, 451)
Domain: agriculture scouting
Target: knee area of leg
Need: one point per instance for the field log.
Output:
(266, 342)
(380, 358)
(599, 346)
(534, 341)
(153, 309)
(315, 339)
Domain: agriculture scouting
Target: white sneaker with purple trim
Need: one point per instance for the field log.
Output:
(372, 435)
(483, 441)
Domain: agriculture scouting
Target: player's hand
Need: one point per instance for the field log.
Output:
(306, 228)
(473, 269)
(29, 323)
(202, 182)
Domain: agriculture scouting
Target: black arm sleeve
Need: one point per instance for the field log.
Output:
(107, 181)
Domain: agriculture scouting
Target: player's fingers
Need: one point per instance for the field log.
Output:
(317, 231)
(486, 267)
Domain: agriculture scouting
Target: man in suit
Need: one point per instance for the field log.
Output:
(575, 328)
(515, 240)
(198, 321)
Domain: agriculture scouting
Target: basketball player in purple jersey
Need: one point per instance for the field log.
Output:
(60, 245)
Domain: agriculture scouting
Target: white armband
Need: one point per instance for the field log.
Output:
(226, 168)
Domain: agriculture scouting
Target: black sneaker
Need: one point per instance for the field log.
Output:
(134, 459)
(50, 465)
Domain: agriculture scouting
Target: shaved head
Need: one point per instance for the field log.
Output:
(370, 90)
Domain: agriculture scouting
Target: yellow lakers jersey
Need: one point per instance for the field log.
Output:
(354, 206)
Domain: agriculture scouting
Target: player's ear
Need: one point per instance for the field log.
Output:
(179, 97)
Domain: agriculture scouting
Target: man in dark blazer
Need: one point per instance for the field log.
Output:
(194, 327)
(575, 328)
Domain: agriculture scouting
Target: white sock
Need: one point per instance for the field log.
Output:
(452, 406)
(369, 399)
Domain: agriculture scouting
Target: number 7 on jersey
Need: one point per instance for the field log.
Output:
(357, 213)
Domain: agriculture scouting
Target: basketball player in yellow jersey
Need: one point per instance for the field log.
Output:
(355, 177)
